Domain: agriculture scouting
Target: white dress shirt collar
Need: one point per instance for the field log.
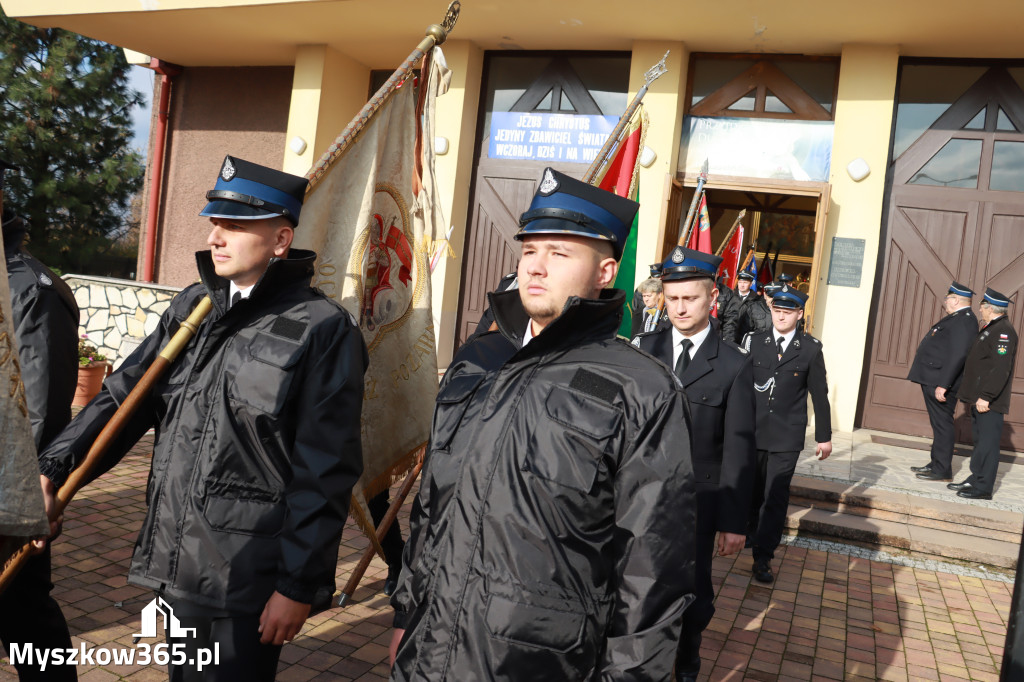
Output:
(697, 339)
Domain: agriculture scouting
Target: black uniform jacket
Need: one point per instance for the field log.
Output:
(553, 534)
(781, 388)
(940, 356)
(728, 312)
(257, 442)
(719, 384)
(754, 316)
(45, 317)
(988, 372)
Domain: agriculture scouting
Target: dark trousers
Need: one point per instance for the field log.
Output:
(988, 429)
(242, 657)
(697, 617)
(29, 614)
(771, 500)
(941, 417)
(392, 543)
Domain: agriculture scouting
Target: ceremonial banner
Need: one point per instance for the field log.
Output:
(622, 177)
(371, 215)
(700, 238)
(21, 500)
(731, 258)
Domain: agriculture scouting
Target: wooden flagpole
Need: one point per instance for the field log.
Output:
(611, 144)
(686, 226)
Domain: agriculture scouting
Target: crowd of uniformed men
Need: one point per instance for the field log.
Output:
(576, 486)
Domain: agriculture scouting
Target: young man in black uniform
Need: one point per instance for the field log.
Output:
(45, 320)
(258, 435)
(552, 536)
(719, 385)
(986, 389)
(938, 367)
(787, 365)
(753, 315)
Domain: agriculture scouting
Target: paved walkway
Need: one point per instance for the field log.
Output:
(828, 616)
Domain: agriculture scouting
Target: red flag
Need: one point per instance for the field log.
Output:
(731, 258)
(700, 237)
(764, 274)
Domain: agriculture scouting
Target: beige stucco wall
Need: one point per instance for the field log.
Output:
(214, 112)
(456, 121)
(863, 122)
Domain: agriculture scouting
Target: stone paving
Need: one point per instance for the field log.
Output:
(828, 616)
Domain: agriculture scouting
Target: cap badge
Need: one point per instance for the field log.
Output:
(228, 171)
(548, 184)
(677, 255)
(44, 279)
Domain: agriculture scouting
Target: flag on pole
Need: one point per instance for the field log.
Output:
(700, 239)
(371, 214)
(730, 266)
(622, 177)
(764, 274)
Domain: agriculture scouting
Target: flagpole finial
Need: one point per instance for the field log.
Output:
(704, 171)
(451, 16)
(438, 33)
(656, 71)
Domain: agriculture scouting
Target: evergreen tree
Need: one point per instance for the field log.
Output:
(65, 120)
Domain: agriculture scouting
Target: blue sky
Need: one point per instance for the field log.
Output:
(141, 79)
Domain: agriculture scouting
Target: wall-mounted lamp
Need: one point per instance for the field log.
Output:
(297, 145)
(858, 169)
(647, 157)
(440, 145)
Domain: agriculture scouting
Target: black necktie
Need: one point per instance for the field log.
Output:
(235, 298)
(684, 358)
(778, 342)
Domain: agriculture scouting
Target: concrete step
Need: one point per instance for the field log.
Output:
(902, 521)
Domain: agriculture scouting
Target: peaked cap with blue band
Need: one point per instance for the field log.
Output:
(745, 274)
(960, 290)
(248, 191)
(564, 205)
(789, 298)
(684, 263)
(993, 297)
(785, 279)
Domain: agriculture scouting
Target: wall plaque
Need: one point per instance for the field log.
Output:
(847, 262)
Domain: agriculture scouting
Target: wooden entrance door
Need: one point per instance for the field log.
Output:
(503, 188)
(945, 226)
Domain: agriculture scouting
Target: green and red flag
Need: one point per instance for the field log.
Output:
(622, 176)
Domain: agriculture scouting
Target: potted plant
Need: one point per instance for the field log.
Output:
(93, 368)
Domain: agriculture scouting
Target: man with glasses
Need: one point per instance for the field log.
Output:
(937, 367)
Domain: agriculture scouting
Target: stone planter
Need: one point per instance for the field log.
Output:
(90, 381)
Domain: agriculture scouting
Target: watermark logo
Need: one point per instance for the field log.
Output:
(155, 613)
(151, 616)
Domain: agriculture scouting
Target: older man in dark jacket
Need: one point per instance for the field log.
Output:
(552, 538)
(938, 366)
(45, 320)
(258, 442)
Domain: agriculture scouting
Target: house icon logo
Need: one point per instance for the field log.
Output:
(151, 615)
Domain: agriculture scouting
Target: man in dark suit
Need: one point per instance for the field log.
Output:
(938, 366)
(787, 365)
(986, 388)
(719, 386)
